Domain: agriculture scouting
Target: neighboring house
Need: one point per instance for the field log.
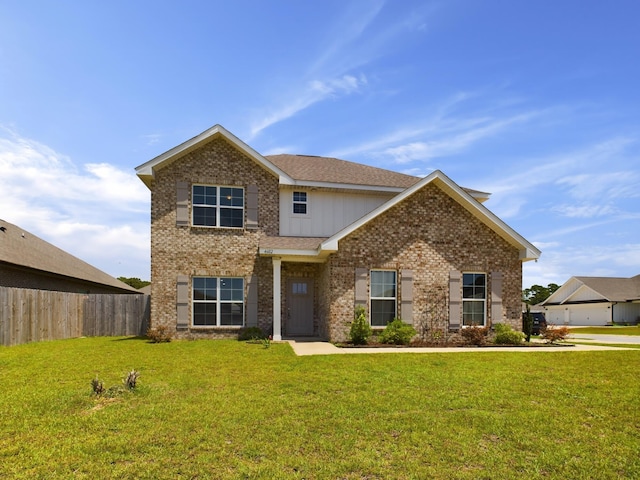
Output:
(595, 301)
(293, 244)
(27, 261)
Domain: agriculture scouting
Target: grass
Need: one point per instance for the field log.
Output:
(228, 410)
(612, 330)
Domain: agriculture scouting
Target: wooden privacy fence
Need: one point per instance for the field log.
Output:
(33, 315)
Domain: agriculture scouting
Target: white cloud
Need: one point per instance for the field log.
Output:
(314, 92)
(96, 212)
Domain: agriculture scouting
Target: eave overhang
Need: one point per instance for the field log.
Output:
(147, 170)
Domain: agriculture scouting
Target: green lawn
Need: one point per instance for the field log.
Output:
(228, 410)
(613, 330)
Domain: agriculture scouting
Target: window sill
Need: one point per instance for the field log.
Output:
(216, 327)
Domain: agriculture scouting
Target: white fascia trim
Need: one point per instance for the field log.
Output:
(146, 170)
(527, 250)
(292, 255)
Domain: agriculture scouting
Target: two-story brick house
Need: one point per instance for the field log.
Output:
(293, 244)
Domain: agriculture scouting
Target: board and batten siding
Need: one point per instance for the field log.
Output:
(327, 212)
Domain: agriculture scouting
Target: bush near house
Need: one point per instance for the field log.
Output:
(397, 333)
(505, 335)
(360, 330)
(475, 335)
(554, 333)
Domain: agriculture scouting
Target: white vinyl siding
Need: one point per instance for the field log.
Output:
(330, 212)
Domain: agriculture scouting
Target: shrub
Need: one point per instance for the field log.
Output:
(475, 335)
(397, 333)
(251, 333)
(360, 330)
(553, 333)
(159, 334)
(505, 335)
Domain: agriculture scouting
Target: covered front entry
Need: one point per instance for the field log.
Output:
(299, 307)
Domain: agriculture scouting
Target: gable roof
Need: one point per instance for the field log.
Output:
(281, 246)
(297, 170)
(590, 289)
(22, 249)
(147, 170)
(527, 250)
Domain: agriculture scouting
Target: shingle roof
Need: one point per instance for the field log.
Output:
(332, 170)
(21, 248)
(291, 243)
(614, 289)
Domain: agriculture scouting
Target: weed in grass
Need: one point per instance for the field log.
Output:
(131, 379)
(97, 386)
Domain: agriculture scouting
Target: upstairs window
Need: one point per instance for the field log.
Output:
(300, 203)
(474, 299)
(218, 206)
(383, 297)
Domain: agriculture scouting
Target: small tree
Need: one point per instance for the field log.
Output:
(527, 323)
(360, 330)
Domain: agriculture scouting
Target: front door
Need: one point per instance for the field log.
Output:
(299, 307)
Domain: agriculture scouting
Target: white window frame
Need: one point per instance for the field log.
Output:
(384, 298)
(304, 202)
(217, 206)
(218, 301)
(470, 300)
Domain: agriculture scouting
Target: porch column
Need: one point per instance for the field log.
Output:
(277, 314)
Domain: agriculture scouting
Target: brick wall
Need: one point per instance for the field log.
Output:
(430, 234)
(190, 251)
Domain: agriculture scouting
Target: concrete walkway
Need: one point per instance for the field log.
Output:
(303, 348)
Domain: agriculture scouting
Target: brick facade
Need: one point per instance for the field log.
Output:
(200, 251)
(428, 233)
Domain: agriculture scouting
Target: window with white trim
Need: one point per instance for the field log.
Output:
(216, 206)
(218, 301)
(300, 203)
(383, 297)
(474, 299)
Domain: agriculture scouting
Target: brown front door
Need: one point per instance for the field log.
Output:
(299, 307)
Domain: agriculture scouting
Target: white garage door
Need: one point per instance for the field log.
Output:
(596, 314)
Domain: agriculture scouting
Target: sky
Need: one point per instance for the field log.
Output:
(537, 103)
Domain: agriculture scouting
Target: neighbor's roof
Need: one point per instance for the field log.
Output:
(586, 289)
(23, 249)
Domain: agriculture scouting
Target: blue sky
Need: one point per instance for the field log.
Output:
(535, 102)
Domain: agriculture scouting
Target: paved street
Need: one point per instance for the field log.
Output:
(605, 338)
